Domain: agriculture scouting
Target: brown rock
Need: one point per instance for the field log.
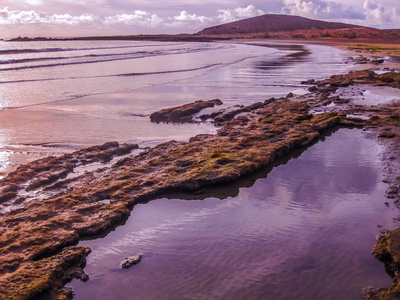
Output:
(183, 113)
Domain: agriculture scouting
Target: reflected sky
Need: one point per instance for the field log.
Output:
(4, 154)
(309, 224)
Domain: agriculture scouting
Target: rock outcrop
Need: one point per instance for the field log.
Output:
(35, 233)
(183, 113)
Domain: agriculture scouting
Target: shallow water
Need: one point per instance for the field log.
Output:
(63, 96)
(303, 231)
(369, 95)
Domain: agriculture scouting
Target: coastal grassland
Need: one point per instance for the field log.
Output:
(381, 49)
(390, 77)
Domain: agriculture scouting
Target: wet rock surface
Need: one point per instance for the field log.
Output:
(51, 176)
(38, 237)
(40, 278)
(362, 60)
(183, 113)
(131, 260)
(243, 145)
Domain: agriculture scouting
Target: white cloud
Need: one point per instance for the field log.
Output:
(125, 19)
(185, 16)
(377, 14)
(17, 17)
(34, 2)
(320, 9)
(188, 22)
(369, 5)
(102, 16)
(71, 20)
(231, 15)
(396, 11)
(155, 21)
(139, 18)
(140, 13)
(8, 17)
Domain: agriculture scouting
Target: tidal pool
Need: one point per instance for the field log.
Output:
(303, 230)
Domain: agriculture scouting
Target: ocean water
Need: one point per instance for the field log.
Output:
(57, 97)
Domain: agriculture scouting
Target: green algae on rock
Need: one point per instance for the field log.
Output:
(34, 278)
(36, 232)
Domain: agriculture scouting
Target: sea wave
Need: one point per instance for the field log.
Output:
(90, 58)
(61, 49)
(116, 75)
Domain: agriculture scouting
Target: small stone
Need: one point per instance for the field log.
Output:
(131, 260)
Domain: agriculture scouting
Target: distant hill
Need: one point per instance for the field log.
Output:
(273, 23)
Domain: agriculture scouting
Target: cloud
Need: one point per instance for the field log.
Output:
(369, 12)
(369, 5)
(71, 20)
(8, 17)
(396, 11)
(102, 16)
(320, 9)
(231, 15)
(187, 21)
(185, 16)
(139, 18)
(378, 15)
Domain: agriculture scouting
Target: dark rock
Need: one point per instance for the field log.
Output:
(386, 134)
(290, 95)
(338, 100)
(210, 116)
(310, 81)
(230, 115)
(183, 113)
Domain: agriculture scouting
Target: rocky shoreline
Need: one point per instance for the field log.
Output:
(60, 205)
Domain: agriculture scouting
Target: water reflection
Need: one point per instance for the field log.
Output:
(300, 54)
(122, 115)
(3, 96)
(303, 226)
(4, 154)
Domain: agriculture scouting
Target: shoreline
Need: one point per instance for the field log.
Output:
(252, 136)
(21, 146)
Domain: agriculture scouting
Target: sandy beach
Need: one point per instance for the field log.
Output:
(268, 123)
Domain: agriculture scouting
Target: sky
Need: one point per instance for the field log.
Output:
(67, 18)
